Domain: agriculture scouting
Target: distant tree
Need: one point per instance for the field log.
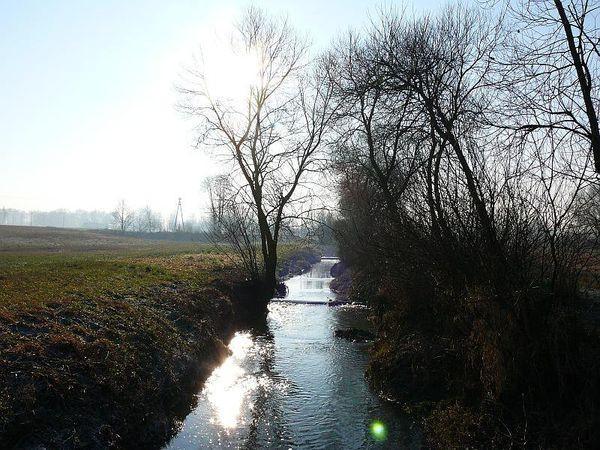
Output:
(123, 217)
(147, 220)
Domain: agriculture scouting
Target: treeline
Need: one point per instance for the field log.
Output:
(122, 218)
(146, 220)
(57, 218)
(465, 148)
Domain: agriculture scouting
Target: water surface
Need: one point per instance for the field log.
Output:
(294, 385)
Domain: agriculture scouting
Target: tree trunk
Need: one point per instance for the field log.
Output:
(584, 84)
(445, 130)
(270, 275)
(269, 252)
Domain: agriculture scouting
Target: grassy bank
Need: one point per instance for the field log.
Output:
(104, 339)
(101, 337)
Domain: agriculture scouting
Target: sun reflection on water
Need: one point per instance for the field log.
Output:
(294, 385)
(229, 387)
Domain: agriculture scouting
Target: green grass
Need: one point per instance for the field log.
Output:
(101, 336)
(48, 265)
(35, 279)
(41, 265)
(96, 340)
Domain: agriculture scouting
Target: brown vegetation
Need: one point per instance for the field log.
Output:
(462, 224)
(105, 348)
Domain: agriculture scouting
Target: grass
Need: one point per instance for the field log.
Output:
(49, 239)
(104, 338)
(100, 337)
(35, 279)
(81, 263)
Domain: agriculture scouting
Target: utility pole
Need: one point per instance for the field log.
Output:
(178, 225)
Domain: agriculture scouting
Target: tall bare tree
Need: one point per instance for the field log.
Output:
(123, 216)
(439, 67)
(271, 137)
(554, 69)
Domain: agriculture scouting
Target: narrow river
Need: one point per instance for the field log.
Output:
(295, 385)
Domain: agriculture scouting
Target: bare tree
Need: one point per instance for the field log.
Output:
(553, 69)
(271, 137)
(123, 217)
(147, 220)
(465, 172)
(439, 69)
(235, 224)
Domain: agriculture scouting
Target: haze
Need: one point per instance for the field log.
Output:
(87, 114)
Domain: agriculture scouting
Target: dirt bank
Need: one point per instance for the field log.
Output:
(108, 371)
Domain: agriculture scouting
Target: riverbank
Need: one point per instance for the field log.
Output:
(296, 383)
(106, 346)
(455, 382)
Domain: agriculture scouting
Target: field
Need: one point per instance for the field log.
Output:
(100, 335)
(104, 339)
(41, 265)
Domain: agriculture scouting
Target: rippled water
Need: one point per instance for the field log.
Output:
(295, 385)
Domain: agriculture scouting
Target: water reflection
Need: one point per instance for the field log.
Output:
(229, 386)
(295, 385)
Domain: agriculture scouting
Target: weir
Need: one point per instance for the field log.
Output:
(312, 287)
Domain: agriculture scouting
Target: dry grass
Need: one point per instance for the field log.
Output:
(101, 336)
(48, 239)
(104, 339)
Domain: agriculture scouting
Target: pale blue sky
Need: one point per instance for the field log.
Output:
(87, 101)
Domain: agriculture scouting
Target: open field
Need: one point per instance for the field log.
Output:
(49, 239)
(42, 266)
(53, 265)
(104, 336)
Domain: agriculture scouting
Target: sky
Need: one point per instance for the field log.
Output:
(87, 96)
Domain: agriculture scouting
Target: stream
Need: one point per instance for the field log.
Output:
(295, 385)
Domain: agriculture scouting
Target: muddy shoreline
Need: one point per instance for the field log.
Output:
(122, 387)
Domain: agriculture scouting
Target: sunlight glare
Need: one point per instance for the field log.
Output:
(228, 387)
(230, 73)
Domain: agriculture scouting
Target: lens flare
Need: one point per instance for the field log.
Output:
(378, 430)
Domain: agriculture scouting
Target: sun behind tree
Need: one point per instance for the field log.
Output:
(260, 110)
